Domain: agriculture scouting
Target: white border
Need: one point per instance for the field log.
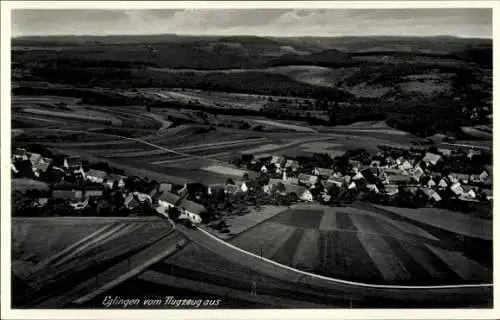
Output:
(8, 313)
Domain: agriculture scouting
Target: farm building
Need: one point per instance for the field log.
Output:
(191, 210)
(263, 169)
(168, 199)
(308, 179)
(96, 176)
(352, 185)
(406, 165)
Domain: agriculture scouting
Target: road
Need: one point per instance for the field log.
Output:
(444, 296)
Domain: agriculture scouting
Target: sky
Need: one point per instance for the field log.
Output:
(260, 22)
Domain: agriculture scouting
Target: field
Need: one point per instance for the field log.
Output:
(73, 246)
(359, 244)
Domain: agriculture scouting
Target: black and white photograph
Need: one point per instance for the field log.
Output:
(204, 158)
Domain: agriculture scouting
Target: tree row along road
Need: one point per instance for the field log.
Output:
(280, 271)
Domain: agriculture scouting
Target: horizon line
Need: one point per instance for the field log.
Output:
(251, 35)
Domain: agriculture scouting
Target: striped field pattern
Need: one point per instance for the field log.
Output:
(366, 246)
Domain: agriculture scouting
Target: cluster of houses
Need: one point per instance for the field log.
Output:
(79, 188)
(384, 175)
(381, 174)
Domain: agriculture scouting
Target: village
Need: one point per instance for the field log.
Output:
(432, 176)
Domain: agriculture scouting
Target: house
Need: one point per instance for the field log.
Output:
(278, 161)
(119, 179)
(215, 188)
(20, 154)
(338, 181)
(35, 158)
(40, 202)
(391, 189)
(79, 203)
(431, 158)
(431, 194)
(406, 165)
(418, 173)
(43, 165)
(373, 187)
(142, 197)
(352, 185)
(131, 202)
(292, 164)
(263, 169)
(355, 164)
(457, 188)
(96, 176)
(243, 186)
(301, 192)
(322, 172)
(168, 200)
(191, 210)
(473, 153)
(165, 187)
(308, 179)
(443, 183)
(445, 151)
(469, 192)
(399, 179)
(73, 163)
(231, 189)
(428, 181)
(479, 177)
(358, 176)
(462, 177)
